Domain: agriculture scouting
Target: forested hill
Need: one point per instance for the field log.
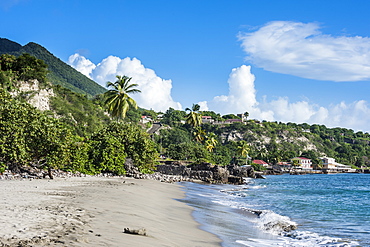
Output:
(273, 142)
(60, 73)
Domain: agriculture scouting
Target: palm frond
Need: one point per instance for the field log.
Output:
(117, 99)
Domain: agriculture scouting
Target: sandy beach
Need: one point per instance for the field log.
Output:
(92, 211)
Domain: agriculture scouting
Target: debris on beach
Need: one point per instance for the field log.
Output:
(140, 231)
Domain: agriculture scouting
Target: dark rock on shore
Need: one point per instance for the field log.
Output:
(241, 171)
(235, 180)
(208, 172)
(170, 172)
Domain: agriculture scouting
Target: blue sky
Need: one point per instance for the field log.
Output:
(290, 61)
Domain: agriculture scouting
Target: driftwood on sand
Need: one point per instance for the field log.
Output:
(140, 231)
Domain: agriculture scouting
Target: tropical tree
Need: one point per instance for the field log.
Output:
(117, 99)
(246, 115)
(211, 141)
(188, 151)
(173, 117)
(112, 145)
(173, 136)
(295, 164)
(243, 150)
(261, 153)
(209, 146)
(199, 134)
(194, 117)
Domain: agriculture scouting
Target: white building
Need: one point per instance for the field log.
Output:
(304, 163)
(207, 119)
(331, 165)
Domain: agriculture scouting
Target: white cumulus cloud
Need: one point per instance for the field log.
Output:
(81, 64)
(155, 91)
(242, 98)
(301, 49)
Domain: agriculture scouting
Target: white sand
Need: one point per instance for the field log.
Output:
(94, 211)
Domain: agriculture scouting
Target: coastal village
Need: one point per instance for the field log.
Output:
(296, 165)
(304, 165)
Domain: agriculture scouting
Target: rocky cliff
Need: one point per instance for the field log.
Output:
(34, 95)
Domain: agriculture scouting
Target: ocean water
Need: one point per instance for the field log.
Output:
(286, 210)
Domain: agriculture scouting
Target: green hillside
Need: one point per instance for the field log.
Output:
(272, 142)
(60, 73)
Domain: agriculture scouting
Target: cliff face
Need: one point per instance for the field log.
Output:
(35, 96)
(264, 138)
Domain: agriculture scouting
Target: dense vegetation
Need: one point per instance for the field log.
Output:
(80, 138)
(272, 142)
(84, 116)
(59, 72)
(23, 68)
(78, 135)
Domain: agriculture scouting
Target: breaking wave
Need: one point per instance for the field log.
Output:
(281, 226)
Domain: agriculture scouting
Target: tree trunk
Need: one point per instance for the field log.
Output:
(50, 173)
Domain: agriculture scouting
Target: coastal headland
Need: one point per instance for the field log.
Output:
(97, 211)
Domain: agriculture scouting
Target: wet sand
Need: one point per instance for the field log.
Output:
(92, 211)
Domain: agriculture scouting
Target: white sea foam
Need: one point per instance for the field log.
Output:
(242, 192)
(275, 223)
(289, 237)
(286, 228)
(256, 187)
(249, 180)
(204, 195)
(300, 239)
(231, 204)
(313, 239)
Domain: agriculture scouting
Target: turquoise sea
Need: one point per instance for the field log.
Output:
(325, 209)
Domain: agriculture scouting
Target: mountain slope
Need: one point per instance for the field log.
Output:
(60, 72)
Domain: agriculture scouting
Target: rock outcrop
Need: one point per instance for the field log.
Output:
(36, 96)
(170, 172)
(207, 172)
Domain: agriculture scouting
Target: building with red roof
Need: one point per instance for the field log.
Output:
(260, 162)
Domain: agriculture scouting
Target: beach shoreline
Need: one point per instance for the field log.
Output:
(93, 211)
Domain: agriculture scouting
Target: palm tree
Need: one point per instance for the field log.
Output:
(199, 134)
(117, 99)
(211, 141)
(209, 146)
(262, 153)
(243, 150)
(295, 164)
(194, 118)
(246, 115)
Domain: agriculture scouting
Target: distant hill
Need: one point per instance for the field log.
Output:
(60, 72)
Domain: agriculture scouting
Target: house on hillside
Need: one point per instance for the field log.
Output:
(242, 116)
(260, 162)
(146, 119)
(284, 166)
(303, 163)
(207, 119)
(330, 165)
(230, 121)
